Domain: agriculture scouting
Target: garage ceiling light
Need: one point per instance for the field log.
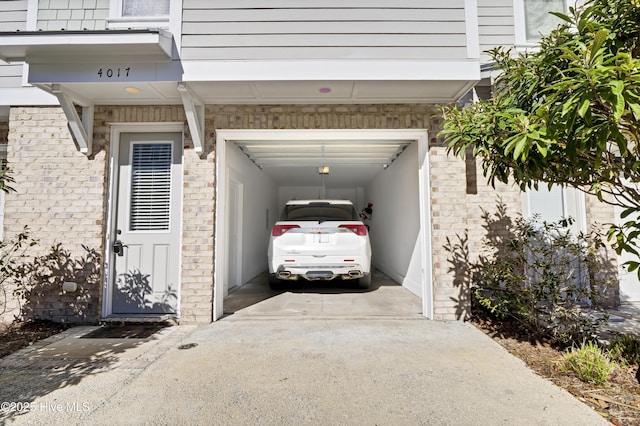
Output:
(323, 170)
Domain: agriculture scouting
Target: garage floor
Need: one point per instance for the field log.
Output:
(333, 299)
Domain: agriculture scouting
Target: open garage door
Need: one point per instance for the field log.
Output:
(386, 167)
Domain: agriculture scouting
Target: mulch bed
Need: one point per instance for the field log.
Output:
(618, 400)
(16, 336)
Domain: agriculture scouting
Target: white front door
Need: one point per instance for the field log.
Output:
(147, 237)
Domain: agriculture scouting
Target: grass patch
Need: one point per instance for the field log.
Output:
(590, 363)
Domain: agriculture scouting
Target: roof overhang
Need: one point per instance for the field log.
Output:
(48, 47)
(141, 67)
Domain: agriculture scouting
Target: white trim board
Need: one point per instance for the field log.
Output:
(331, 70)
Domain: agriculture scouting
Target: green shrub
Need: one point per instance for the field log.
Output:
(12, 258)
(626, 348)
(40, 288)
(590, 363)
(538, 274)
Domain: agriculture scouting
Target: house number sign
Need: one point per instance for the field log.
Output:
(114, 72)
(104, 72)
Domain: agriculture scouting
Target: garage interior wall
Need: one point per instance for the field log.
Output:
(395, 223)
(259, 212)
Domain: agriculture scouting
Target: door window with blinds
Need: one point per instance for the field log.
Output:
(150, 201)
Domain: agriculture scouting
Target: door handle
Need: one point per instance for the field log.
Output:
(118, 247)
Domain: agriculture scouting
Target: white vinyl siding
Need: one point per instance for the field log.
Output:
(350, 29)
(10, 76)
(13, 17)
(495, 25)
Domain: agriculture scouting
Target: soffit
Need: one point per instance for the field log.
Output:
(273, 92)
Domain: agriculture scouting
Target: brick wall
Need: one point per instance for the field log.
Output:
(56, 15)
(599, 215)
(7, 304)
(60, 197)
(320, 116)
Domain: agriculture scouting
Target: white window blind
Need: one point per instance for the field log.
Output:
(150, 187)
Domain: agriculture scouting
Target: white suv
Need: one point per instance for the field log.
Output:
(319, 240)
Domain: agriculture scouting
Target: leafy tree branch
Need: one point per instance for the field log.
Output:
(567, 113)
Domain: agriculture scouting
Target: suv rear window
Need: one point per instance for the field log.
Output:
(319, 211)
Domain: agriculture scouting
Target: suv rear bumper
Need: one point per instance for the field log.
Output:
(320, 272)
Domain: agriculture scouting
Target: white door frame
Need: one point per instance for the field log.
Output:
(419, 135)
(112, 192)
(628, 282)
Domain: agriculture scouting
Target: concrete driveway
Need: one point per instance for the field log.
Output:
(294, 369)
(384, 298)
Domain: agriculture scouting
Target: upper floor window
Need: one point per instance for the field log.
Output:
(537, 18)
(140, 14)
(141, 8)
(533, 18)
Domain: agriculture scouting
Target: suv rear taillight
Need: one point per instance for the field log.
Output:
(358, 229)
(281, 229)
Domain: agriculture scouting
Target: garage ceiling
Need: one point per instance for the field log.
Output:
(296, 162)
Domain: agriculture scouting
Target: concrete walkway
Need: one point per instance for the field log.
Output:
(292, 371)
(625, 319)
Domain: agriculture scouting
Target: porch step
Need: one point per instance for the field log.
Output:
(114, 319)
